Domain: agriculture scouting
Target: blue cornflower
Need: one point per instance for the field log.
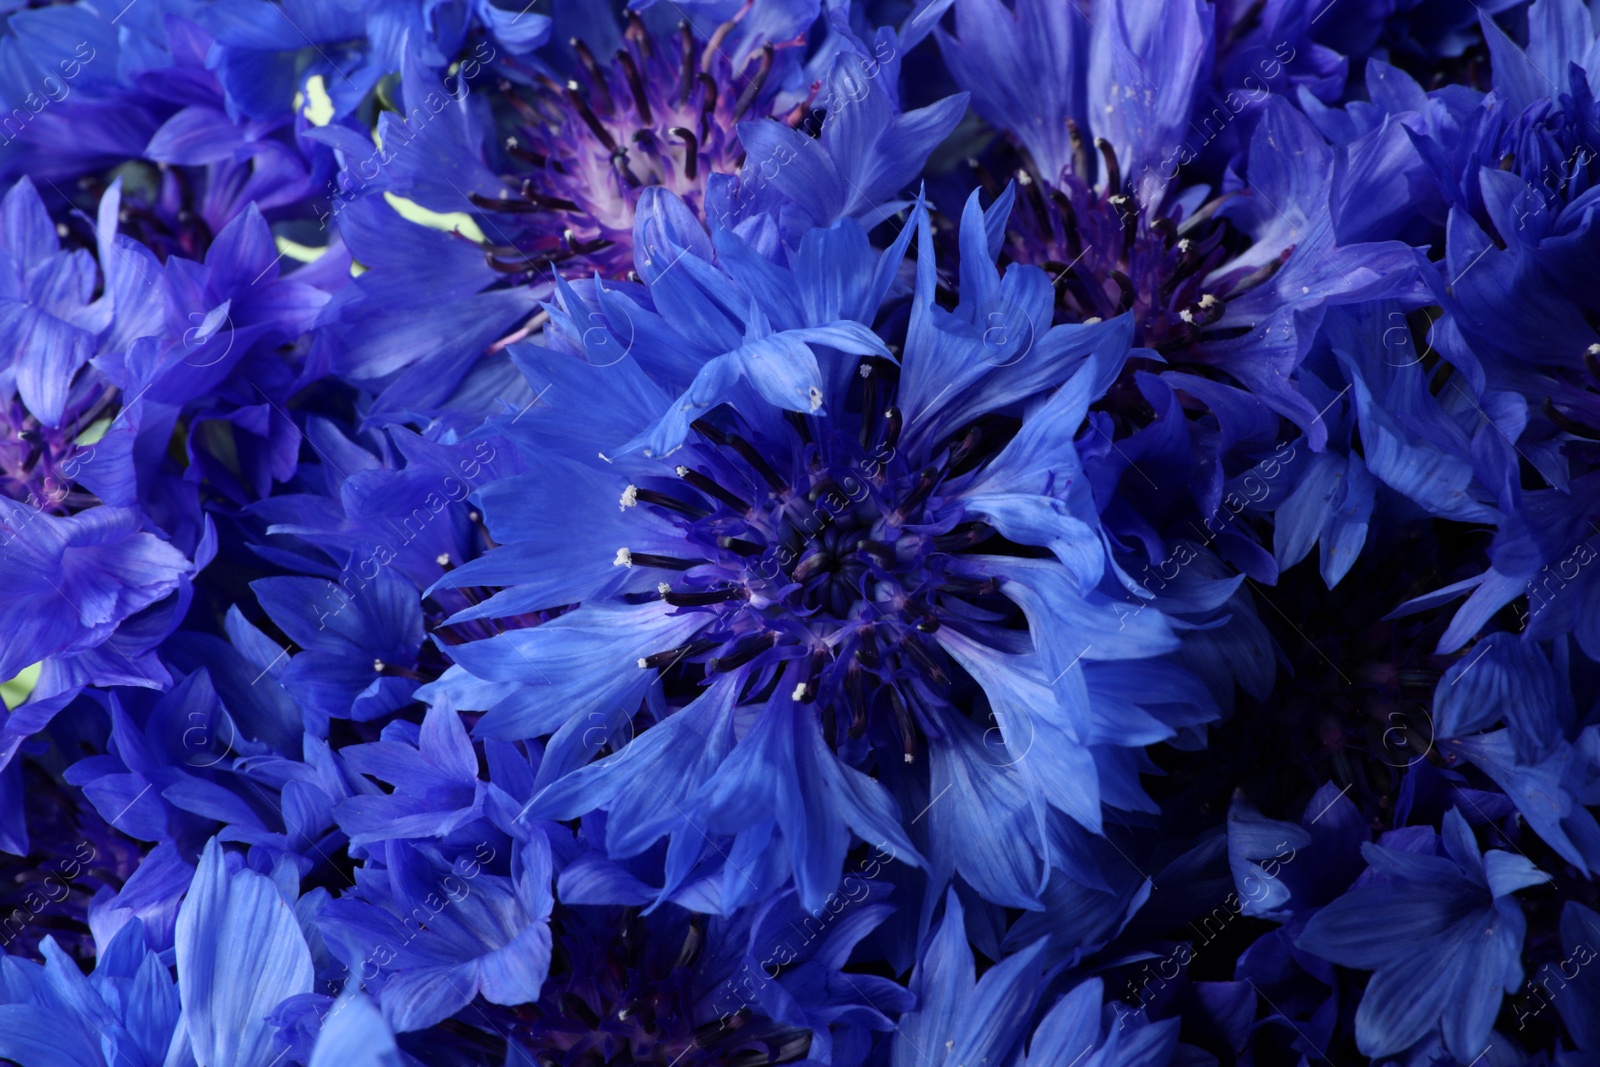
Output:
(240, 952)
(426, 935)
(1232, 275)
(808, 560)
(717, 117)
(1518, 175)
(1543, 759)
(960, 1018)
(1080, 1030)
(435, 780)
(358, 653)
(180, 767)
(1441, 932)
(1280, 868)
(672, 986)
(126, 1011)
(370, 530)
(149, 95)
(107, 352)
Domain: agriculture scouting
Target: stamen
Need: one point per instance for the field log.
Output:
(505, 266)
(708, 103)
(636, 33)
(743, 653)
(692, 941)
(686, 73)
(624, 558)
(1572, 426)
(867, 647)
(671, 503)
(515, 149)
(902, 718)
(705, 598)
(749, 95)
(1129, 295)
(1113, 171)
(964, 536)
(740, 547)
(641, 101)
(1080, 151)
(935, 672)
(1069, 222)
(619, 163)
(714, 44)
(1128, 214)
(798, 113)
(671, 656)
(854, 683)
(529, 204)
(1203, 215)
(1263, 273)
(892, 436)
(869, 400)
(813, 682)
(665, 563)
(967, 445)
(601, 91)
(812, 565)
(712, 489)
(691, 152)
(596, 127)
(919, 492)
(630, 497)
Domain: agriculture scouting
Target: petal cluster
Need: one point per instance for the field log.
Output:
(839, 532)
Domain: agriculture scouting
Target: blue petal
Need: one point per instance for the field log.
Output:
(355, 1035)
(240, 953)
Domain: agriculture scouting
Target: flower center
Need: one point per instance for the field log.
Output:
(628, 997)
(834, 566)
(39, 464)
(1109, 254)
(662, 112)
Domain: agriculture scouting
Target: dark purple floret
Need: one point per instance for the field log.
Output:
(72, 854)
(1108, 253)
(842, 565)
(662, 111)
(38, 463)
(621, 993)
